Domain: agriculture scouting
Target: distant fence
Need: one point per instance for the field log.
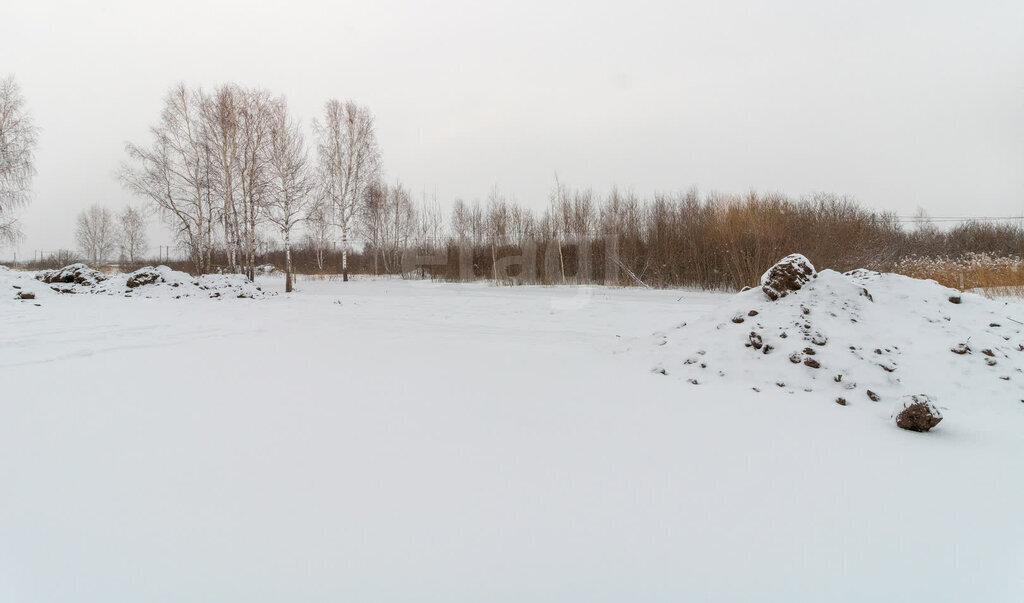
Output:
(56, 258)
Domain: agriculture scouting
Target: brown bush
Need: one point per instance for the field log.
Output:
(985, 271)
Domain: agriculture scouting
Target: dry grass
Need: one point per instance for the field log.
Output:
(993, 275)
(1009, 291)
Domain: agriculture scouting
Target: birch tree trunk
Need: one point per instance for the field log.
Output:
(344, 252)
(287, 261)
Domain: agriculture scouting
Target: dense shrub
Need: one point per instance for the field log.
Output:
(713, 241)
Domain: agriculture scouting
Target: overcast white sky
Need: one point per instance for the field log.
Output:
(900, 104)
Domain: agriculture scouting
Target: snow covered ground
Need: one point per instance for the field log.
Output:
(412, 441)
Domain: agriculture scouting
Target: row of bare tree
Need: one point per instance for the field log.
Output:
(712, 241)
(100, 234)
(222, 165)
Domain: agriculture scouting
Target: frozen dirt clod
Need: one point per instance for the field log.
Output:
(143, 276)
(789, 274)
(918, 413)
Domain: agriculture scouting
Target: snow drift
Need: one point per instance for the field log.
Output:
(856, 338)
(159, 281)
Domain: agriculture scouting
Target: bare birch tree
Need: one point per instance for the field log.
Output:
(221, 135)
(131, 226)
(95, 234)
(460, 221)
(430, 223)
(254, 119)
(397, 226)
(18, 139)
(290, 182)
(318, 230)
(371, 220)
(428, 229)
(349, 163)
(174, 175)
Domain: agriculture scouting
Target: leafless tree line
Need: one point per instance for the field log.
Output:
(711, 241)
(685, 239)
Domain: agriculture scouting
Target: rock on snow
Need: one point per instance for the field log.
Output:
(918, 413)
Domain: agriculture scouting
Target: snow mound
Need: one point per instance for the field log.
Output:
(158, 281)
(24, 286)
(75, 274)
(856, 338)
(161, 281)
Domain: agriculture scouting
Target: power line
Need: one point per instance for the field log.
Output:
(958, 218)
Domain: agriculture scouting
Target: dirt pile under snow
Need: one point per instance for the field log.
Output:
(75, 274)
(857, 338)
(159, 281)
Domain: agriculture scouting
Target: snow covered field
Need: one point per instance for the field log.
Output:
(412, 441)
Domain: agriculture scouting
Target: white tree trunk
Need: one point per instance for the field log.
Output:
(287, 262)
(344, 251)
